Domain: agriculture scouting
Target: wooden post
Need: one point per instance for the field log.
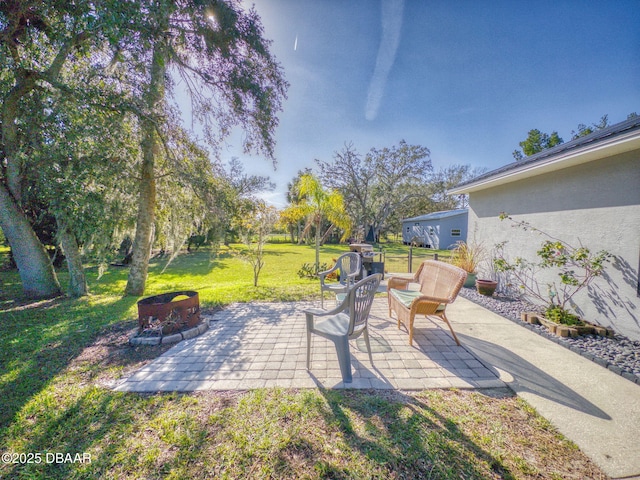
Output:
(410, 257)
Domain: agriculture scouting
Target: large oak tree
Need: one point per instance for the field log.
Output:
(218, 51)
(380, 184)
(38, 41)
(120, 57)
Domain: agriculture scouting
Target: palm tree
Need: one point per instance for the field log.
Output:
(318, 204)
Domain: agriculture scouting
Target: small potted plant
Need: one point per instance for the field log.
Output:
(468, 256)
(486, 286)
(487, 279)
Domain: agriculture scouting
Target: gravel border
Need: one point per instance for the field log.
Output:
(618, 353)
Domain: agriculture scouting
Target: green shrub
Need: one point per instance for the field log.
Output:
(308, 270)
(576, 268)
(559, 315)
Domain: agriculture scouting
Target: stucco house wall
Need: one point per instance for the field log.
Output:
(594, 203)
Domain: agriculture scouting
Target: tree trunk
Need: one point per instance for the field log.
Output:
(147, 193)
(77, 279)
(326, 235)
(257, 267)
(36, 272)
(300, 234)
(144, 228)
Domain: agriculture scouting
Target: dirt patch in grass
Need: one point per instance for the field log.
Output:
(111, 357)
(24, 304)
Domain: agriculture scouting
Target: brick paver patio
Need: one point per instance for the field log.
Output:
(258, 345)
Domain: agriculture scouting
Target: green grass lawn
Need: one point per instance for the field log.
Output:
(58, 358)
(397, 256)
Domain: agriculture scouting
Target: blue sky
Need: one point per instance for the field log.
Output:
(467, 79)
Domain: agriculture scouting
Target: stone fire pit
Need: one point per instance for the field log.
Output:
(169, 317)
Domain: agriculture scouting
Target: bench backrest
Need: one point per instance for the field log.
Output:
(440, 280)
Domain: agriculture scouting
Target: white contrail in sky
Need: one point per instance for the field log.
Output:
(295, 44)
(391, 29)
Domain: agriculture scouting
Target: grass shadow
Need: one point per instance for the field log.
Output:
(275, 433)
(42, 338)
(406, 436)
(109, 429)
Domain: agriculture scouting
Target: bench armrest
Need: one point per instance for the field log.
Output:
(399, 283)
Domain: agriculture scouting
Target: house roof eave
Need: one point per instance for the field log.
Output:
(618, 144)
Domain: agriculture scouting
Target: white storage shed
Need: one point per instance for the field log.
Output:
(438, 230)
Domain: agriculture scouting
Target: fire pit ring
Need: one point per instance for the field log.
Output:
(169, 314)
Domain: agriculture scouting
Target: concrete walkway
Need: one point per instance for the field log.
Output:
(592, 406)
(263, 345)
